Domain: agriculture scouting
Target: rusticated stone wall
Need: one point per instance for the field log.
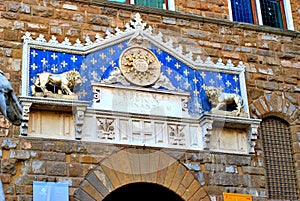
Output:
(272, 58)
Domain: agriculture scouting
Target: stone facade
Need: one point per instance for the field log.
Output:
(272, 64)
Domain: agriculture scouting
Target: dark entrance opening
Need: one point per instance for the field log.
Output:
(143, 192)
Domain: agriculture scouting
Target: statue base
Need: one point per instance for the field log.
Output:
(228, 113)
(57, 96)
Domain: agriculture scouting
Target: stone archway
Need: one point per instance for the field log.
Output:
(133, 165)
(275, 104)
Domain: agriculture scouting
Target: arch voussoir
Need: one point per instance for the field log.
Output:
(133, 165)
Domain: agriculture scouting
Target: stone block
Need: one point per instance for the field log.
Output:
(166, 20)
(51, 156)
(99, 20)
(75, 170)
(38, 167)
(42, 11)
(11, 35)
(225, 179)
(12, 6)
(109, 11)
(19, 154)
(56, 168)
(9, 143)
(37, 27)
(10, 15)
(90, 159)
(8, 166)
(70, 6)
(5, 178)
(7, 24)
(211, 167)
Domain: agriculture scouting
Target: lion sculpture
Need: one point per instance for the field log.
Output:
(64, 82)
(220, 99)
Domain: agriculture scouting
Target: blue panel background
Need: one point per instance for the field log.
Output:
(50, 191)
(99, 64)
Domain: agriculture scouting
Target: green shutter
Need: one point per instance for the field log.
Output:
(150, 3)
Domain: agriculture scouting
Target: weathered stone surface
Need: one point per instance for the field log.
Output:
(56, 168)
(8, 166)
(9, 143)
(75, 170)
(22, 154)
(99, 20)
(38, 167)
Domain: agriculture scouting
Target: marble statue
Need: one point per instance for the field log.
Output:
(219, 99)
(64, 82)
(9, 104)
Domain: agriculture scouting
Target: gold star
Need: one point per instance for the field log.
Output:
(187, 84)
(197, 105)
(83, 66)
(236, 90)
(94, 74)
(168, 58)
(34, 66)
(74, 59)
(112, 51)
(203, 75)
(112, 63)
(235, 78)
(196, 92)
(102, 68)
(186, 72)
(195, 80)
(177, 65)
(228, 83)
(84, 79)
(120, 46)
(211, 81)
(93, 60)
(102, 55)
(178, 77)
(169, 71)
(158, 51)
(219, 76)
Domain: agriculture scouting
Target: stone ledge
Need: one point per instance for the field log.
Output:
(178, 15)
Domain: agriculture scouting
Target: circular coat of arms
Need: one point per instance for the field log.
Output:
(139, 66)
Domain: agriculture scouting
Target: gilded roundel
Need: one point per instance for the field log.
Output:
(139, 66)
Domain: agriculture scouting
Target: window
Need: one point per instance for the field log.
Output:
(278, 154)
(164, 4)
(274, 13)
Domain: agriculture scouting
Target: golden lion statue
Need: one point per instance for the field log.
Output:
(64, 82)
(220, 99)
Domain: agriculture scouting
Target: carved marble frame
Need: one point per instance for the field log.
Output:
(134, 30)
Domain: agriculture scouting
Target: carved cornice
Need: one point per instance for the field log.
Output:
(135, 29)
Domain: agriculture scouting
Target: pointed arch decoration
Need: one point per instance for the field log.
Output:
(132, 165)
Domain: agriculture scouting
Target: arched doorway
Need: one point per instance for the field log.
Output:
(138, 170)
(143, 191)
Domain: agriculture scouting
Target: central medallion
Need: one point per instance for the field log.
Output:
(139, 66)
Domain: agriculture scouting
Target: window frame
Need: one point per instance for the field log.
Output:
(272, 143)
(257, 15)
(169, 4)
